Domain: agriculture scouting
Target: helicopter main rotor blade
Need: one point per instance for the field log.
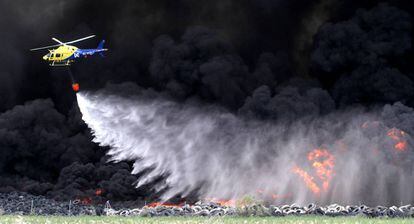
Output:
(60, 42)
(78, 40)
(47, 47)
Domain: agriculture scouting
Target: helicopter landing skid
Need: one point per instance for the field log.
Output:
(60, 63)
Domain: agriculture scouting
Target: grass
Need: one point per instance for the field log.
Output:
(198, 220)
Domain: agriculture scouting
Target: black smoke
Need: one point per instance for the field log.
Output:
(358, 54)
(241, 55)
(47, 152)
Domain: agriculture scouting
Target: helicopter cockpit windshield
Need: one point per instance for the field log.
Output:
(46, 57)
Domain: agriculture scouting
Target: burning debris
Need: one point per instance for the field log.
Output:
(323, 165)
(399, 137)
(25, 204)
(98, 192)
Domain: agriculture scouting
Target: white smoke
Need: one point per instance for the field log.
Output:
(224, 156)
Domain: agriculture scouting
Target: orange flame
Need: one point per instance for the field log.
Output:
(324, 168)
(281, 196)
(323, 164)
(401, 146)
(308, 180)
(98, 192)
(167, 204)
(368, 124)
(398, 136)
(222, 202)
(86, 201)
(226, 202)
(365, 124)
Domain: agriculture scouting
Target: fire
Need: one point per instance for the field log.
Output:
(368, 124)
(398, 136)
(324, 168)
(400, 146)
(310, 183)
(226, 202)
(365, 124)
(86, 201)
(98, 192)
(323, 163)
(281, 196)
(167, 204)
(222, 202)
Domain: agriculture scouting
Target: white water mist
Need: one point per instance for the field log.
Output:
(225, 156)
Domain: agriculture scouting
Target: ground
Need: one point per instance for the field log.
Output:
(199, 220)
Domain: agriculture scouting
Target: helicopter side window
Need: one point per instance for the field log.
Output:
(58, 55)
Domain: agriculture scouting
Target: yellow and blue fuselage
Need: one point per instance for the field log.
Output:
(66, 54)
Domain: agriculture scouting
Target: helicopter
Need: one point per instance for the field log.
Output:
(65, 54)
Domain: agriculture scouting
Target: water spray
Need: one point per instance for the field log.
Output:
(329, 159)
